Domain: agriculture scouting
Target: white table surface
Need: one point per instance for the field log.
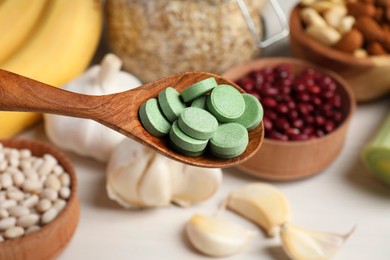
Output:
(343, 195)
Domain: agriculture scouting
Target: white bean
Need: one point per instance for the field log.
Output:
(25, 165)
(30, 201)
(5, 204)
(37, 163)
(4, 213)
(28, 220)
(49, 194)
(15, 194)
(58, 170)
(32, 229)
(3, 195)
(6, 223)
(18, 178)
(14, 161)
(3, 165)
(25, 153)
(64, 192)
(59, 205)
(65, 179)
(14, 232)
(53, 182)
(18, 211)
(31, 174)
(48, 164)
(33, 186)
(6, 180)
(49, 216)
(44, 205)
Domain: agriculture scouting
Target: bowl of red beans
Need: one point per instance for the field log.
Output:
(307, 112)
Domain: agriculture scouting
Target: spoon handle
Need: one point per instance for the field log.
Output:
(18, 93)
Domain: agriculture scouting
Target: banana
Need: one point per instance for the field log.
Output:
(59, 49)
(17, 21)
(63, 45)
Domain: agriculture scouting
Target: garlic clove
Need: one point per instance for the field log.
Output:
(217, 237)
(261, 203)
(154, 189)
(305, 244)
(124, 172)
(191, 184)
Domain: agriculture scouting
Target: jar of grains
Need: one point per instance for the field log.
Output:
(155, 38)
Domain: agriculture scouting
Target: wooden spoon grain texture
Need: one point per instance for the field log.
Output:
(118, 111)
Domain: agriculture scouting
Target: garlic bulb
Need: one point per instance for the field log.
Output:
(217, 237)
(83, 136)
(303, 244)
(261, 203)
(139, 177)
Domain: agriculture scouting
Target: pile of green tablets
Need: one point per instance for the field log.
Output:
(204, 116)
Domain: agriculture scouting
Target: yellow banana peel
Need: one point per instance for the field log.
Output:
(59, 48)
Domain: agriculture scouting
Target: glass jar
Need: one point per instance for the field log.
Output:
(156, 38)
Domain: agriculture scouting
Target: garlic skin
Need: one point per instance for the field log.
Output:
(261, 203)
(192, 184)
(303, 244)
(84, 136)
(138, 177)
(217, 237)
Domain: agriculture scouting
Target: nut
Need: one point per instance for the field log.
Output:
(375, 48)
(379, 14)
(370, 29)
(350, 41)
(358, 9)
(385, 3)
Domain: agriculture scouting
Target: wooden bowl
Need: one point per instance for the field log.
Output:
(289, 160)
(51, 239)
(368, 77)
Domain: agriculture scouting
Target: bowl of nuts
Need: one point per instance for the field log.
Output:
(307, 111)
(349, 37)
(39, 209)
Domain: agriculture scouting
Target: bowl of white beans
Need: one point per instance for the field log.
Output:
(39, 209)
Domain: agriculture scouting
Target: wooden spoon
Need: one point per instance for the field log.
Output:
(118, 111)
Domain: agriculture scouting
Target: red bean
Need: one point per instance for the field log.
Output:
(269, 102)
(278, 136)
(282, 108)
(298, 107)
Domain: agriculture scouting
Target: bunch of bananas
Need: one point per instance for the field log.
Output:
(51, 41)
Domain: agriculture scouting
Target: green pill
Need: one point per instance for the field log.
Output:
(226, 103)
(200, 102)
(230, 140)
(170, 103)
(184, 142)
(197, 123)
(184, 152)
(152, 118)
(198, 89)
(253, 113)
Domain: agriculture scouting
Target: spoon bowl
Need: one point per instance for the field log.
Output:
(118, 111)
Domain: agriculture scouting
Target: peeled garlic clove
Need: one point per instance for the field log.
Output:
(305, 244)
(261, 203)
(124, 172)
(154, 189)
(217, 237)
(191, 184)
